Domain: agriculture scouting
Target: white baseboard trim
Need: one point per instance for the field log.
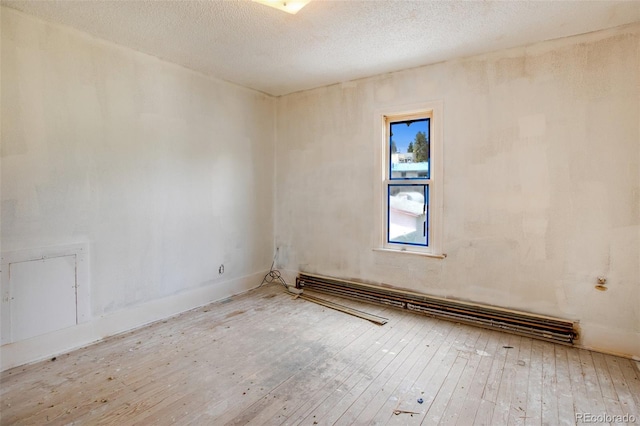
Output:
(593, 336)
(62, 341)
(599, 338)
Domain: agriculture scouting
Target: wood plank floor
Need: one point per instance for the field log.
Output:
(266, 358)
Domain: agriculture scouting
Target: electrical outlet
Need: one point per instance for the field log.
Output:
(221, 270)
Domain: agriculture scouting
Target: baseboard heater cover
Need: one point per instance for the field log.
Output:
(522, 323)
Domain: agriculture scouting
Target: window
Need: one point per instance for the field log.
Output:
(411, 179)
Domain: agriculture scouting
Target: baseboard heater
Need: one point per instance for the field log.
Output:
(523, 323)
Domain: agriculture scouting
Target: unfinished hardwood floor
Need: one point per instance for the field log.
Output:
(266, 358)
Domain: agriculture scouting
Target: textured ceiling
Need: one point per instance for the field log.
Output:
(328, 41)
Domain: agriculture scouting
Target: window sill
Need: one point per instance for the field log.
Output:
(416, 253)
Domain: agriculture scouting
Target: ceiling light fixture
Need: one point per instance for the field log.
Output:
(292, 6)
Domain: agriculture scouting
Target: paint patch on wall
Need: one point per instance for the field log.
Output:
(532, 126)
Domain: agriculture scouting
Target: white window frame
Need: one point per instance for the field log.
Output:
(434, 111)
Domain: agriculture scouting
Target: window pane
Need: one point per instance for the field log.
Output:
(407, 214)
(409, 149)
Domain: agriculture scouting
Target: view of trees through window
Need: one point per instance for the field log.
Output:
(409, 143)
(407, 201)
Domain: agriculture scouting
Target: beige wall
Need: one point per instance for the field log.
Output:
(541, 181)
(163, 172)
